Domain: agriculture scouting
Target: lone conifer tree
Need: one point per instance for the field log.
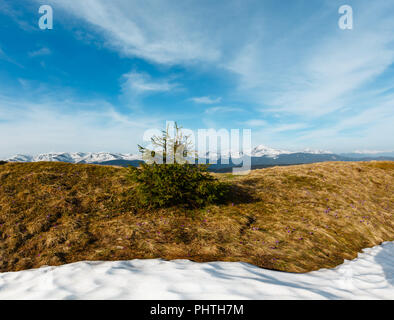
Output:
(172, 149)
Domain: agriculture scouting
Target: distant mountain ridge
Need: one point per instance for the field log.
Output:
(260, 157)
(75, 157)
(94, 157)
(366, 154)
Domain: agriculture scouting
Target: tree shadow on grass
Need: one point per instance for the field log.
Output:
(241, 194)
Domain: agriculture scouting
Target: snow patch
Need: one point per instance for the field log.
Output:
(370, 276)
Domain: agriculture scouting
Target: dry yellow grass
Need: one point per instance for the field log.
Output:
(297, 218)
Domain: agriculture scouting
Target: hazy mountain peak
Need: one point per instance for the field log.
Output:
(20, 158)
(316, 151)
(262, 150)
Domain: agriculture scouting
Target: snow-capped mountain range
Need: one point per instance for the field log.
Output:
(263, 151)
(99, 157)
(260, 151)
(75, 157)
(261, 155)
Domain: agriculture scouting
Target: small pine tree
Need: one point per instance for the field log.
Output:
(171, 149)
(175, 182)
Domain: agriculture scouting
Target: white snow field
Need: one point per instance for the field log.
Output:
(370, 276)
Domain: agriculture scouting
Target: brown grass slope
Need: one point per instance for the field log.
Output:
(297, 218)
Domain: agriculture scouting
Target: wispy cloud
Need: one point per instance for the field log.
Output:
(324, 72)
(16, 13)
(163, 32)
(310, 83)
(369, 128)
(67, 124)
(44, 51)
(139, 83)
(206, 100)
(255, 123)
(5, 57)
(223, 109)
(288, 127)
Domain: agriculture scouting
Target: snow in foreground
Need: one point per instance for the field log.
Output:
(370, 276)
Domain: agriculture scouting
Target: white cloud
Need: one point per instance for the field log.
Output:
(310, 70)
(68, 125)
(40, 52)
(255, 123)
(2, 54)
(301, 66)
(288, 127)
(322, 73)
(370, 128)
(206, 100)
(5, 57)
(160, 31)
(222, 110)
(136, 83)
(334, 73)
(16, 13)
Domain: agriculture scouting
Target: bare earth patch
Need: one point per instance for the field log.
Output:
(296, 218)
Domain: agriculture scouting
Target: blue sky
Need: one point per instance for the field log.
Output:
(109, 70)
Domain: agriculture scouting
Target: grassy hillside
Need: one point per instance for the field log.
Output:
(296, 218)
